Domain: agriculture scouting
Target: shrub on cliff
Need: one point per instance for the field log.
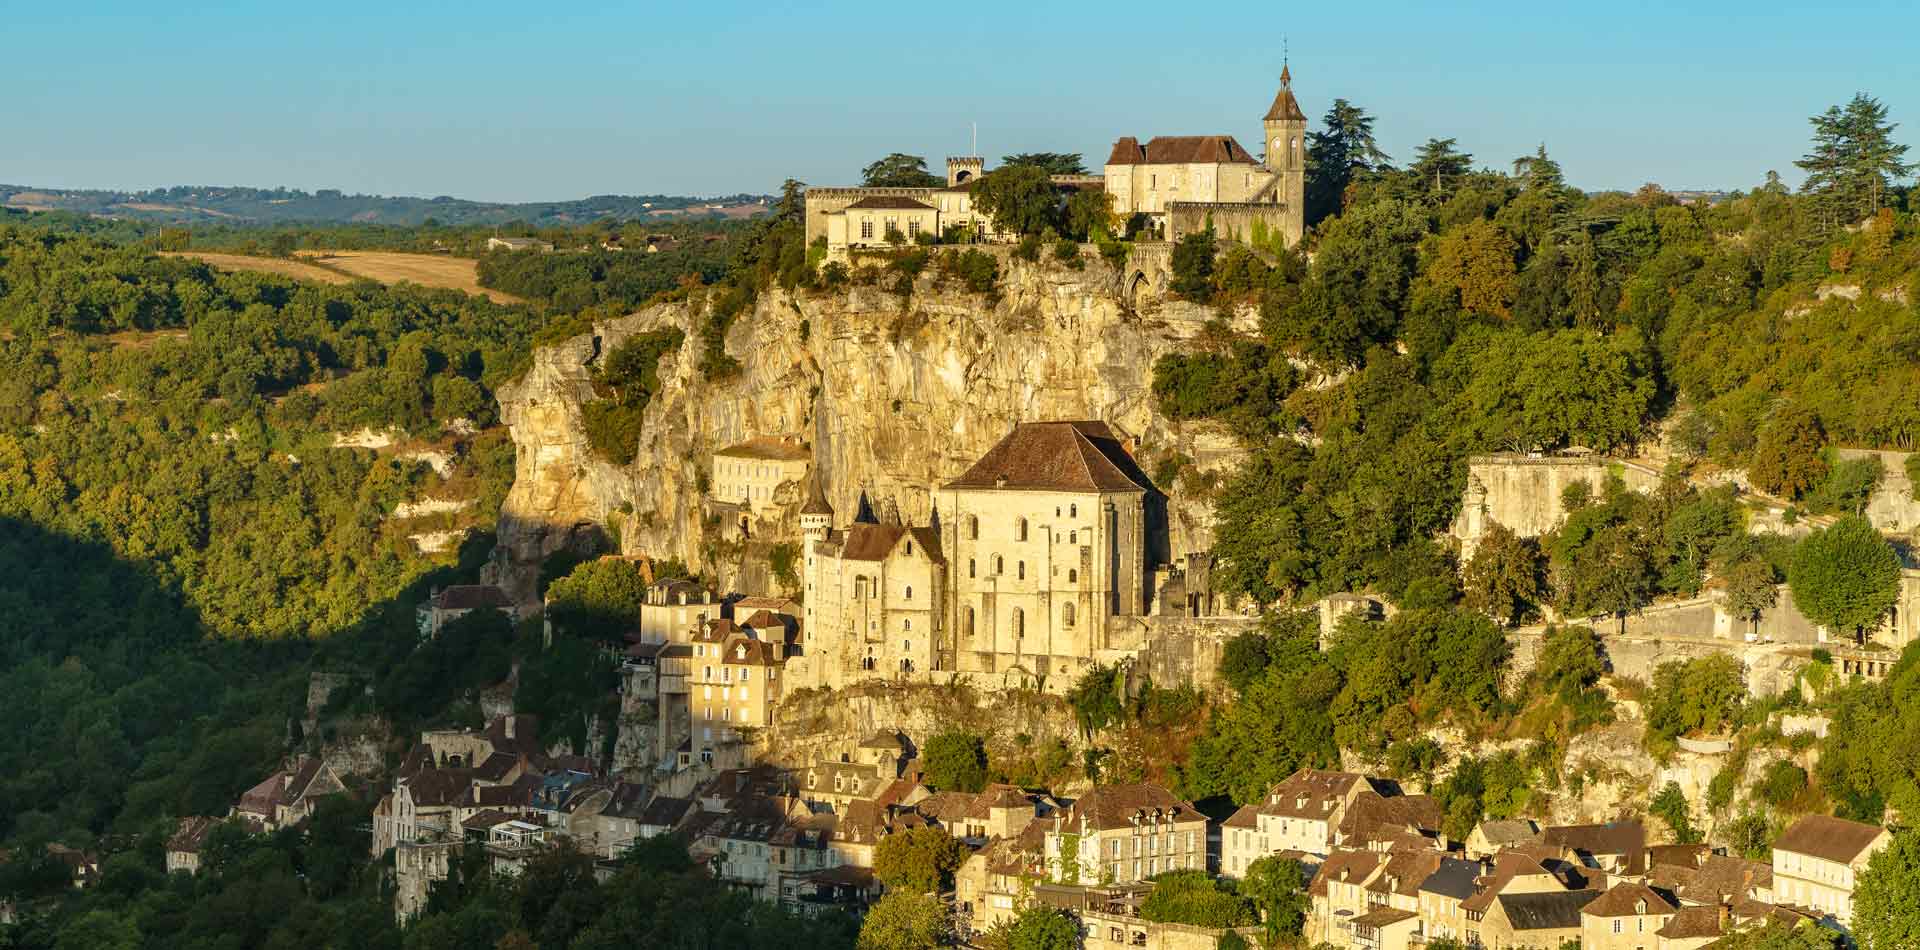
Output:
(956, 761)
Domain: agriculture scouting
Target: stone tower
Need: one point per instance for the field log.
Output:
(964, 169)
(816, 516)
(1286, 131)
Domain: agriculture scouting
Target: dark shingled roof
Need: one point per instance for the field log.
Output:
(816, 503)
(1080, 456)
(1624, 900)
(898, 202)
(665, 811)
(874, 542)
(1614, 837)
(1179, 150)
(1552, 910)
(1454, 878)
(473, 597)
(1284, 105)
(1828, 838)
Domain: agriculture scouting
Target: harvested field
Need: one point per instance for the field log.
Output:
(299, 270)
(427, 270)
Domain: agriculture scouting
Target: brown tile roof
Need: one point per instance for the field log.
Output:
(1507, 865)
(665, 811)
(1285, 106)
(1727, 878)
(1691, 923)
(1383, 917)
(192, 834)
(875, 542)
(1246, 816)
(1678, 855)
(1373, 815)
(1828, 838)
(896, 202)
(1627, 900)
(1612, 838)
(439, 786)
(472, 597)
(769, 447)
(1345, 865)
(1405, 871)
(1324, 793)
(1082, 456)
(1108, 807)
(1179, 150)
(262, 798)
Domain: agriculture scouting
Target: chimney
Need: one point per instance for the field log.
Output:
(1725, 912)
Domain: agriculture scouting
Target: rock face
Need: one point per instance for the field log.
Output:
(893, 394)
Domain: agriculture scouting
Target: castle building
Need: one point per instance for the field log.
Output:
(1186, 183)
(749, 473)
(1035, 549)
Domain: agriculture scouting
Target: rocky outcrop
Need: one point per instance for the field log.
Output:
(893, 394)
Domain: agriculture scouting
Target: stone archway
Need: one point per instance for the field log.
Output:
(1139, 287)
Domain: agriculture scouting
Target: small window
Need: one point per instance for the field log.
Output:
(866, 230)
(1073, 576)
(973, 528)
(1020, 530)
(906, 646)
(909, 547)
(909, 591)
(1066, 615)
(906, 624)
(1073, 537)
(1073, 511)
(970, 571)
(999, 564)
(1021, 567)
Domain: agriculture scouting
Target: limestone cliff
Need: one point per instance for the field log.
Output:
(894, 394)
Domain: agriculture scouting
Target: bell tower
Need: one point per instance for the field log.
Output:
(1286, 133)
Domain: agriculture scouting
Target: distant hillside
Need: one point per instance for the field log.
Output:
(187, 204)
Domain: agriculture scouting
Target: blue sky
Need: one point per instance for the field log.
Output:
(533, 101)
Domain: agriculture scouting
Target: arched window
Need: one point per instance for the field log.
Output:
(1073, 537)
(1073, 511)
(909, 591)
(906, 625)
(1066, 615)
(1073, 576)
(1019, 623)
(970, 572)
(1020, 530)
(999, 564)
(906, 646)
(1021, 567)
(973, 528)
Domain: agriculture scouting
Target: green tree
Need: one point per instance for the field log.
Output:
(1437, 165)
(1886, 900)
(920, 860)
(1193, 265)
(1055, 163)
(1193, 897)
(1845, 577)
(1786, 459)
(1853, 160)
(1505, 578)
(1670, 805)
(1039, 927)
(900, 170)
(598, 599)
(1277, 887)
(1343, 149)
(1020, 199)
(1089, 215)
(1700, 695)
(906, 921)
(99, 930)
(956, 761)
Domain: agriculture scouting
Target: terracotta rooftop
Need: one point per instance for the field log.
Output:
(1285, 106)
(1828, 838)
(1179, 150)
(192, 834)
(1629, 900)
(1083, 456)
(1691, 923)
(875, 542)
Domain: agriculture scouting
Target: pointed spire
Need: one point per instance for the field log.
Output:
(1285, 107)
(816, 498)
(865, 513)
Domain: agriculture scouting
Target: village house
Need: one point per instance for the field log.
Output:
(448, 604)
(1116, 834)
(1498, 834)
(1628, 916)
(750, 473)
(1533, 920)
(1314, 811)
(1617, 847)
(187, 842)
(519, 244)
(1817, 860)
(288, 796)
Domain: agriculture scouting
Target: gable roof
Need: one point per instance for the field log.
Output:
(192, 834)
(1550, 910)
(1625, 900)
(1179, 150)
(1828, 838)
(1614, 837)
(1078, 456)
(1691, 923)
(1453, 878)
(875, 542)
(472, 597)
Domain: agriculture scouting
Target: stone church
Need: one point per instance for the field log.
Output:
(1032, 555)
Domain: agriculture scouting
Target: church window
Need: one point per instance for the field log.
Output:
(1066, 615)
(970, 566)
(1073, 576)
(1073, 511)
(973, 528)
(1020, 530)
(999, 565)
(909, 592)
(866, 230)
(906, 646)
(1019, 623)
(1073, 537)
(1021, 567)
(909, 547)
(906, 625)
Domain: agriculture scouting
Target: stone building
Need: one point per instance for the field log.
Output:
(735, 676)
(1036, 551)
(1117, 834)
(186, 843)
(749, 473)
(1817, 861)
(882, 221)
(1185, 183)
(451, 603)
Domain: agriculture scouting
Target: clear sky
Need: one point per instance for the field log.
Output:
(542, 101)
